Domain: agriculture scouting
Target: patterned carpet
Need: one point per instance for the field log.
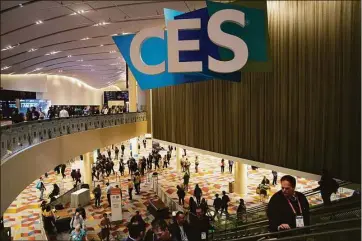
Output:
(23, 215)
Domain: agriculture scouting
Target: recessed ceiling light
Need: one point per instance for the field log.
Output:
(101, 45)
(112, 51)
(9, 47)
(80, 60)
(73, 14)
(53, 52)
(115, 34)
(69, 56)
(39, 22)
(86, 38)
(20, 5)
(32, 50)
(5, 67)
(125, 33)
(101, 24)
(60, 70)
(81, 11)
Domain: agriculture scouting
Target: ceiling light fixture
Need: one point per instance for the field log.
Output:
(86, 65)
(60, 70)
(86, 38)
(39, 22)
(20, 5)
(101, 24)
(125, 33)
(5, 67)
(80, 60)
(69, 56)
(32, 50)
(112, 51)
(115, 34)
(53, 52)
(81, 11)
(9, 47)
(101, 45)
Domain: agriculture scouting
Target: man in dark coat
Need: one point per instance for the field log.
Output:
(180, 229)
(288, 208)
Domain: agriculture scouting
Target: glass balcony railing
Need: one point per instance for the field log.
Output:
(17, 137)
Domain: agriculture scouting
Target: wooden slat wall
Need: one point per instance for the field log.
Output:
(305, 115)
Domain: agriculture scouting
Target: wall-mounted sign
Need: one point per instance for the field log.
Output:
(115, 96)
(215, 42)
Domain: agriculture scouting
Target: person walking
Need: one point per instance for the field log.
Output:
(181, 195)
(62, 169)
(198, 194)
(225, 203)
(327, 186)
(78, 175)
(130, 188)
(241, 211)
(122, 149)
(217, 204)
(186, 181)
(108, 191)
(197, 164)
(144, 143)
(275, 177)
(105, 227)
(222, 165)
(116, 152)
(41, 187)
(231, 163)
(97, 195)
(121, 167)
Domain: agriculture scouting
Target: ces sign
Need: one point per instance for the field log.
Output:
(215, 42)
(174, 45)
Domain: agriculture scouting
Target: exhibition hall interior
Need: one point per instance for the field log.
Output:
(181, 120)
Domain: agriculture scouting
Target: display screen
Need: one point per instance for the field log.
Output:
(7, 107)
(43, 104)
(115, 95)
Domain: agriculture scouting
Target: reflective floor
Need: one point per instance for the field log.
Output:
(24, 213)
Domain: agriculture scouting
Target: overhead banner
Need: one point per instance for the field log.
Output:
(216, 42)
(116, 204)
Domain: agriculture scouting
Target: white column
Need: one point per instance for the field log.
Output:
(241, 178)
(88, 160)
(134, 145)
(178, 159)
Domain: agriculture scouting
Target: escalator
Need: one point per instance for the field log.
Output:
(258, 213)
(349, 208)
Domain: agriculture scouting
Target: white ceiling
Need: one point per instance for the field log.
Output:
(62, 29)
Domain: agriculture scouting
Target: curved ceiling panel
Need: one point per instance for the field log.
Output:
(73, 38)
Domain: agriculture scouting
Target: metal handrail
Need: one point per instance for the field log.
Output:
(20, 136)
(325, 233)
(262, 207)
(314, 214)
(306, 228)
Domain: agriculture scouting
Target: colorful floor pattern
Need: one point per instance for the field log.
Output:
(23, 215)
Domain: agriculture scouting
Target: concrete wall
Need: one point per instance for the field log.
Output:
(26, 166)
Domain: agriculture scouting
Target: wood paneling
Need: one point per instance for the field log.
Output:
(304, 115)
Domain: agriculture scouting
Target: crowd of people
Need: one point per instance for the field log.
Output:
(35, 113)
(286, 209)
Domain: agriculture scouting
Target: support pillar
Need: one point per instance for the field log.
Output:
(178, 159)
(132, 92)
(241, 178)
(134, 146)
(88, 160)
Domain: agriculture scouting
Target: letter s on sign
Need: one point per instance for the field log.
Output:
(135, 52)
(235, 44)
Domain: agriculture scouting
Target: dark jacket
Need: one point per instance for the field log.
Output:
(181, 193)
(200, 225)
(197, 192)
(279, 211)
(176, 232)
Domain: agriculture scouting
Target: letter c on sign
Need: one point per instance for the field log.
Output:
(135, 52)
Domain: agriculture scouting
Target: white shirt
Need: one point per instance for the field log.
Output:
(183, 234)
(108, 189)
(63, 113)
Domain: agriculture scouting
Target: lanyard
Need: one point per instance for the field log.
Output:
(300, 208)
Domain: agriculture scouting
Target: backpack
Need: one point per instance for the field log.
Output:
(38, 185)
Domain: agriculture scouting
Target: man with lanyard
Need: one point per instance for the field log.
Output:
(288, 208)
